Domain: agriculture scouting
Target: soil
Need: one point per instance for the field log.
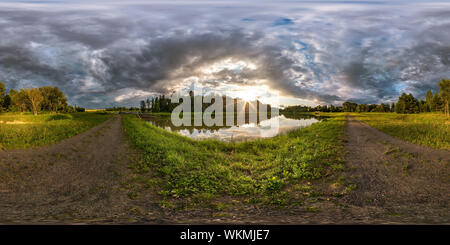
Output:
(78, 181)
(396, 180)
(74, 181)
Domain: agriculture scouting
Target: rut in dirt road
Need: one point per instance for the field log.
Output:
(73, 180)
(395, 178)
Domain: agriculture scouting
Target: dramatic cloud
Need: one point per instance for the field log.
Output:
(115, 53)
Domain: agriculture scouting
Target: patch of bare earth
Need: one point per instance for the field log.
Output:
(396, 181)
(74, 181)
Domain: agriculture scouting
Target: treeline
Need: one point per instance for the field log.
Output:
(163, 104)
(122, 108)
(47, 98)
(346, 107)
(406, 103)
(157, 104)
(321, 108)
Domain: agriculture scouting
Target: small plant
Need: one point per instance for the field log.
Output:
(391, 150)
(273, 184)
(133, 195)
(337, 194)
(405, 169)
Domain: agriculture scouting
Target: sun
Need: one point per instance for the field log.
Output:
(250, 93)
(246, 94)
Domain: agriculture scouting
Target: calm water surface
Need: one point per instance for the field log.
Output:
(245, 131)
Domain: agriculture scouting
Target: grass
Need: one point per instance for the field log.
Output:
(430, 129)
(20, 131)
(261, 170)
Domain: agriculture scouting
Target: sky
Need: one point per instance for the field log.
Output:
(116, 53)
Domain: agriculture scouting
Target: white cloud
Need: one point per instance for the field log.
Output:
(127, 94)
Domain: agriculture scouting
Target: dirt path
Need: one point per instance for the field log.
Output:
(396, 180)
(75, 180)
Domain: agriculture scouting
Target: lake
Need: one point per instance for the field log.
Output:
(245, 131)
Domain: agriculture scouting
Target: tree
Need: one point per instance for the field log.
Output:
(156, 108)
(7, 102)
(437, 102)
(444, 91)
(349, 106)
(143, 106)
(35, 99)
(163, 103)
(429, 100)
(19, 99)
(54, 99)
(407, 104)
(148, 104)
(386, 107)
(2, 96)
(379, 108)
(150, 109)
(422, 106)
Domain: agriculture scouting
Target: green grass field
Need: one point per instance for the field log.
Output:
(20, 131)
(428, 129)
(261, 170)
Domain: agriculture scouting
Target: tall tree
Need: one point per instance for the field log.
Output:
(2, 96)
(148, 103)
(437, 102)
(19, 99)
(349, 106)
(35, 99)
(407, 104)
(152, 104)
(53, 99)
(156, 108)
(143, 106)
(379, 108)
(7, 102)
(422, 106)
(444, 91)
(429, 100)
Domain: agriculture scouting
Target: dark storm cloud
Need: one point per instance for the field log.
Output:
(409, 55)
(167, 59)
(20, 62)
(102, 33)
(305, 50)
(160, 59)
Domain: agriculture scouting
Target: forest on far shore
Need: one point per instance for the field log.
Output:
(406, 104)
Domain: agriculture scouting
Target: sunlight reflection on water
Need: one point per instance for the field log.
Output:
(242, 132)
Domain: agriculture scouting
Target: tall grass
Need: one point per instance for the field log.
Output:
(209, 167)
(20, 131)
(430, 129)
